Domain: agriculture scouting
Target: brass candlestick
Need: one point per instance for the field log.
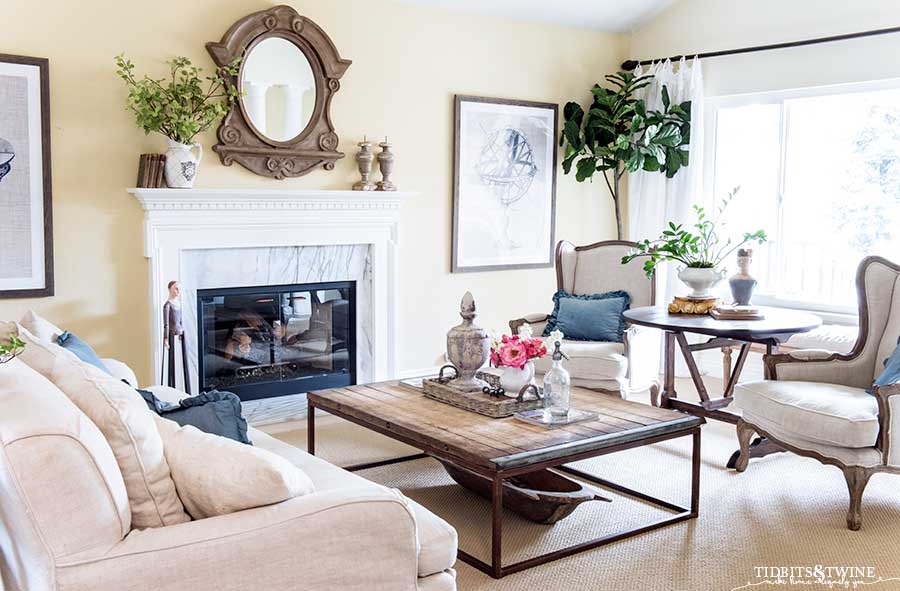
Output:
(386, 164)
(364, 160)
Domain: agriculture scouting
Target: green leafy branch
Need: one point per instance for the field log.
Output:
(699, 250)
(11, 348)
(179, 107)
(618, 134)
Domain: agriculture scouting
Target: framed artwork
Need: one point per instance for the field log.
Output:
(504, 189)
(26, 227)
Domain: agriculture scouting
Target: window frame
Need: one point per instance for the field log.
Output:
(833, 314)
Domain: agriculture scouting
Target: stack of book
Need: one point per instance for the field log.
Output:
(725, 312)
(151, 171)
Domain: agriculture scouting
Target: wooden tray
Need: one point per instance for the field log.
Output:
(483, 404)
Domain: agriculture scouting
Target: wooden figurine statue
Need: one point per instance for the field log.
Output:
(173, 334)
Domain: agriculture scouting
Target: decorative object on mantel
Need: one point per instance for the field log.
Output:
(504, 188)
(26, 216)
(11, 348)
(364, 160)
(179, 108)
(619, 133)
(700, 253)
(386, 165)
(151, 171)
(173, 335)
(688, 305)
(308, 65)
(742, 283)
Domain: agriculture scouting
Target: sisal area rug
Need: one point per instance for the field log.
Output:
(769, 528)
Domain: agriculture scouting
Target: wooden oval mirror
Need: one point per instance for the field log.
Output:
(281, 125)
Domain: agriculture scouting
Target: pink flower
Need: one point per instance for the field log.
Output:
(495, 358)
(513, 355)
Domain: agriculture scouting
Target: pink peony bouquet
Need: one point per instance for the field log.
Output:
(516, 351)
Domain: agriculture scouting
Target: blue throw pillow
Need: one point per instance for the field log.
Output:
(215, 412)
(81, 350)
(891, 372)
(592, 317)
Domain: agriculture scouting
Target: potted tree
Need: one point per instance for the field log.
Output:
(179, 107)
(618, 134)
(700, 253)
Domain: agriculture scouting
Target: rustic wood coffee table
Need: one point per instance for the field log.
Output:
(499, 449)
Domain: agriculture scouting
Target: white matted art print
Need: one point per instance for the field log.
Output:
(26, 250)
(504, 194)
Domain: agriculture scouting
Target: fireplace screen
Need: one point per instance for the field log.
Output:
(270, 341)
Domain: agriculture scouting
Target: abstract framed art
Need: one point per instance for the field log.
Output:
(504, 188)
(26, 223)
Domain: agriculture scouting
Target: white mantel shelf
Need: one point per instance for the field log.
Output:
(267, 199)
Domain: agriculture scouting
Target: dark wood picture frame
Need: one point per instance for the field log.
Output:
(239, 140)
(458, 102)
(43, 65)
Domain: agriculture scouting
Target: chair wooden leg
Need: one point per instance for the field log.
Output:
(745, 433)
(654, 395)
(857, 479)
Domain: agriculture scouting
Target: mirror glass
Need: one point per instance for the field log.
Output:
(279, 90)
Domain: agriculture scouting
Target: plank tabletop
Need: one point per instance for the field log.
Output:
(404, 413)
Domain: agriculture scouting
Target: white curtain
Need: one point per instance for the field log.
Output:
(654, 200)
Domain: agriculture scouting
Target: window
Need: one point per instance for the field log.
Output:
(819, 170)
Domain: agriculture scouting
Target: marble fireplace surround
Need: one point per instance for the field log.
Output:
(209, 238)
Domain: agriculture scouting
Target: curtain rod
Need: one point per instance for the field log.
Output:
(632, 64)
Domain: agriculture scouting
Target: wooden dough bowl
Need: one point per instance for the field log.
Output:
(543, 497)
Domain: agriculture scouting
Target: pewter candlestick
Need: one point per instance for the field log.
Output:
(386, 164)
(364, 160)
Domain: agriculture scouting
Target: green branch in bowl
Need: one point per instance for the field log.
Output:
(698, 247)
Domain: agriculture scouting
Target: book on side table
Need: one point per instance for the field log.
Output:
(731, 312)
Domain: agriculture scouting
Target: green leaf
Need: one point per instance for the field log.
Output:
(585, 168)
(665, 97)
(668, 135)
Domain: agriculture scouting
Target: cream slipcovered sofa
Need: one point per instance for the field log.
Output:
(65, 521)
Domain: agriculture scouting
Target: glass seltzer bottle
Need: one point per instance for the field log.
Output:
(557, 387)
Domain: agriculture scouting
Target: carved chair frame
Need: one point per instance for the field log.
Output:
(856, 476)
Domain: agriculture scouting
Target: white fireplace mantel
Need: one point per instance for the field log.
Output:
(181, 220)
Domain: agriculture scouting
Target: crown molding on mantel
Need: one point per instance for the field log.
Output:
(268, 199)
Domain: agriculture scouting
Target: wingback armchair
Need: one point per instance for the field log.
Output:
(615, 368)
(817, 404)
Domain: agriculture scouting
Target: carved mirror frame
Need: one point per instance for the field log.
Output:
(239, 140)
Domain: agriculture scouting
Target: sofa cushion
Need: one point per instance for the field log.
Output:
(829, 414)
(40, 327)
(216, 476)
(122, 416)
(437, 538)
(58, 472)
(589, 360)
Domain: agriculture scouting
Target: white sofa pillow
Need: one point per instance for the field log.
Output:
(126, 422)
(40, 327)
(215, 475)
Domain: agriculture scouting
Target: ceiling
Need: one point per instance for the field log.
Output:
(615, 16)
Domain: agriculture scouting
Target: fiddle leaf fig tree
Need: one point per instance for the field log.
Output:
(618, 134)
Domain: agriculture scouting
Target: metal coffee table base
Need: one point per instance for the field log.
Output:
(497, 570)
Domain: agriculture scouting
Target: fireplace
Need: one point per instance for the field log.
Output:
(274, 340)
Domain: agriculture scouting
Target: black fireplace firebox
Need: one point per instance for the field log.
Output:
(275, 340)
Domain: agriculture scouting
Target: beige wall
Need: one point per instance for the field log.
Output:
(692, 26)
(407, 64)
